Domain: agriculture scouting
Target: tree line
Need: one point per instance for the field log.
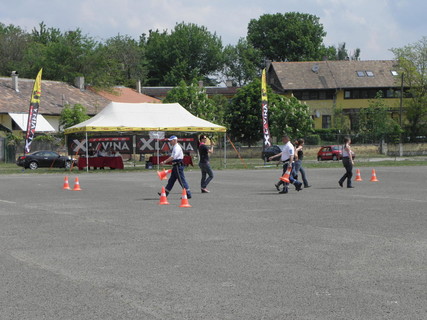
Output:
(164, 57)
(189, 53)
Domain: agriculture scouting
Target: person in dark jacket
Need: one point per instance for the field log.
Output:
(207, 174)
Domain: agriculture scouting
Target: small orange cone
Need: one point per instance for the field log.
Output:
(66, 184)
(76, 185)
(184, 199)
(163, 198)
(374, 176)
(163, 174)
(358, 177)
(285, 177)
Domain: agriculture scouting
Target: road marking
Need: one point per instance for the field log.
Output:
(7, 201)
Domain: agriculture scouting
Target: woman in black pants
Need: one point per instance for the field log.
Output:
(347, 161)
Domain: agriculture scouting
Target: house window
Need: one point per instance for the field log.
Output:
(360, 73)
(369, 73)
(326, 121)
(394, 73)
(347, 94)
(305, 95)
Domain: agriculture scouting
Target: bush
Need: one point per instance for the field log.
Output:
(313, 139)
(327, 134)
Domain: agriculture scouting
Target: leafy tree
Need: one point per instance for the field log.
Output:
(244, 115)
(188, 52)
(412, 60)
(343, 54)
(289, 115)
(13, 44)
(375, 123)
(291, 36)
(71, 116)
(62, 56)
(129, 56)
(242, 62)
(340, 121)
(194, 98)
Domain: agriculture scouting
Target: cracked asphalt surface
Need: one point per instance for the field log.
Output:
(242, 251)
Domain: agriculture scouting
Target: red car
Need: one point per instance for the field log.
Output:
(333, 152)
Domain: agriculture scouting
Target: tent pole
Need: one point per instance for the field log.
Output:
(134, 149)
(225, 150)
(87, 154)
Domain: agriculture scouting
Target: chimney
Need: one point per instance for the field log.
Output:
(201, 83)
(228, 83)
(79, 82)
(14, 76)
(138, 86)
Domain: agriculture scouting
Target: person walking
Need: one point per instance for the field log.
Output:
(299, 153)
(287, 157)
(204, 164)
(347, 161)
(176, 158)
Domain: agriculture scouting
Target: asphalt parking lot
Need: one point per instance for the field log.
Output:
(243, 251)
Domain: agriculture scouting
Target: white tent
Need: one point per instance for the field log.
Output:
(124, 117)
(134, 117)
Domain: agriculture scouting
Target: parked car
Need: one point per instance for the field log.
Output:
(45, 159)
(271, 151)
(333, 152)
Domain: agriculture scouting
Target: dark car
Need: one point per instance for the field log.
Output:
(333, 152)
(270, 151)
(45, 159)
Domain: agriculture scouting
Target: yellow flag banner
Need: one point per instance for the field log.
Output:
(32, 113)
(264, 105)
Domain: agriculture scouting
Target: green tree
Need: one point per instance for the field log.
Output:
(286, 115)
(343, 54)
(375, 123)
(289, 115)
(291, 36)
(194, 98)
(412, 60)
(71, 116)
(13, 44)
(62, 56)
(188, 52)
(129, 57)
(242, 62)
(340, 121)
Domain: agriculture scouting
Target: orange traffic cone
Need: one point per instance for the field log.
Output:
(163, 198)
(184, 199)
(358, 177)
(66, 184)
(76, 185)
(163, 174)
(374, 176)
(285, 177)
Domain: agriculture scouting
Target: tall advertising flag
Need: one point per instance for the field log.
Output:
(32, 113)
(264, 105)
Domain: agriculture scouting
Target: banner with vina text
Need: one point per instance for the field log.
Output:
(264, 105)
(32, 113)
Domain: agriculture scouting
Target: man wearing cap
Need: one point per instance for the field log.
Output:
(176, 158)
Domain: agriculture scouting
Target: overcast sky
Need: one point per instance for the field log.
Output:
(374, 26)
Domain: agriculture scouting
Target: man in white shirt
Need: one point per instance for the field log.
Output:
(287, 157)
(177, 167)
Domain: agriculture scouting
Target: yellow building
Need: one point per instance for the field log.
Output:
(328, 85)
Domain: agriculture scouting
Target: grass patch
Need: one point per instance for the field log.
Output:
(232, 163)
